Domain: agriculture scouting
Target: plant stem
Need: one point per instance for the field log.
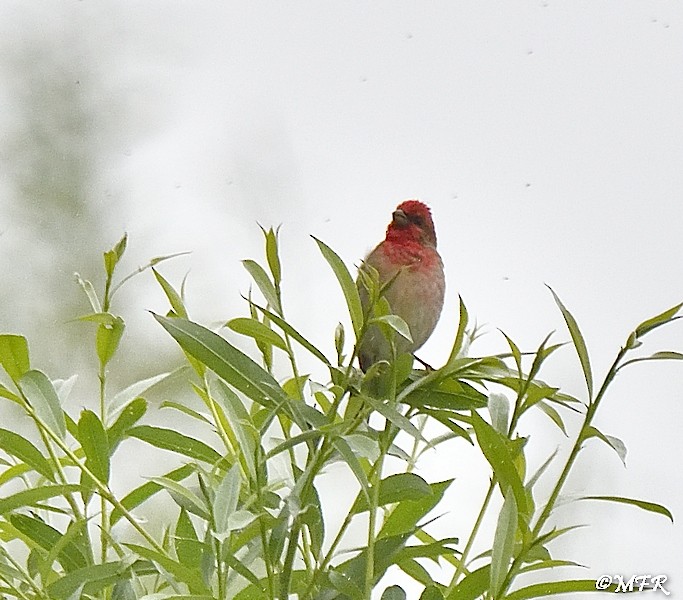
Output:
(460, 569)
(590, 413)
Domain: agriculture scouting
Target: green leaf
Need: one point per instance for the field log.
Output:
(294, 441)
(554, 416)
(353, 463)
(16, 445)
(229, 363)
(272, 255)
(135, 390)
(499, 409)
(503, 544)
(130, 415)
(472, 586)
(181, 573)
(458, 344)
(174, 298)
(535, 477)
(90, 580)
(225, 360)
(389, 412)
(666, 355)
(137, 496)
(431, 593)
(347, 285)
(656, 321)
(264, 283)
(183, 496)
(448, 394)
(34, 496)
(169, 439)
(108, 338)
(186, 410)
(188, 548)
(42, 396)
(293, 333)
(239, 427)
(257, 330)
(345, 584)
(497, 451)
(579, 343)
(113, 256)
(93, 439)
(395, 323)
(14, 355)
(385, 554)
(90, 292)
(226, 500)
(393, 592)
(47, 537)
(649, 506)
(405, 516)
(395, 488)
(615, 443)
(539, 590)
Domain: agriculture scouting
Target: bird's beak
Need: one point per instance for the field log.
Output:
(400, 218)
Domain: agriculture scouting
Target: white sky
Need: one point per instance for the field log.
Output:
(546, 136)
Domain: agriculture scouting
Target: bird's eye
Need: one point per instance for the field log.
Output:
(417, 219)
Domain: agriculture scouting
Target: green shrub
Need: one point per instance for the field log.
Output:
(243, 528)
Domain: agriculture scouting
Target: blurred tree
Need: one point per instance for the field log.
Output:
(59, 120)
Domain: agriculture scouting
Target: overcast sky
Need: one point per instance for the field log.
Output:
(546, 136)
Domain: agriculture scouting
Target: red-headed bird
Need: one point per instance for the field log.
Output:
(408, 254)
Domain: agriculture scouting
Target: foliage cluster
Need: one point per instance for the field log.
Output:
(249, 521)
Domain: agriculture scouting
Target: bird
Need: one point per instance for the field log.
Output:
(411, 270)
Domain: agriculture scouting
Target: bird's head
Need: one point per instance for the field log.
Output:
(412, 222)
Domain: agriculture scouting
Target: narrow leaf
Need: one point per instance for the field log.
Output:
(33, 496)
(135, 390)
(191, 577)
(169, 439)
(352, 462)
(347, 285)
(458, 344)
(90, 292)
(496, 450)
(18, 446)
(394, 322)
(615, 443)
(93, 439)
(47, 537)
(396, 488)
(108, 338)
(503, 543)
(272, 255)
(264, 283)
(656, 321)
(227, 497)
(174, 298)
(89, 579)
(14, 355)
(42, 396)
(130, 415)
(225, 360)
(390, 413)
(293, 333)
(579, 343)
(407, 514)
(649, 506)
(137, 496)
(499, 409)
(257, 330)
